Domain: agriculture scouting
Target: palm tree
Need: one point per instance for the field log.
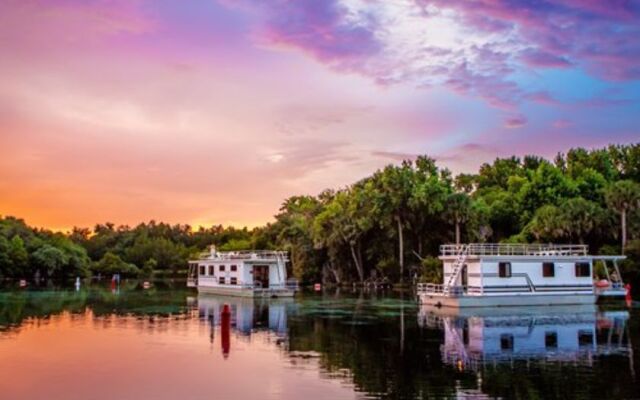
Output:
(459, 210)
(580, 218)
(623, 196)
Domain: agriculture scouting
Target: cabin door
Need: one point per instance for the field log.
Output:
(465, 276)
(261, 275)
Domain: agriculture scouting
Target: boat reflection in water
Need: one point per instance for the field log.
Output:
(576, 334)
(243, 317)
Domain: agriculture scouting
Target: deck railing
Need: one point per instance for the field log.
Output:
(516, 249)
(246, 255)
(438, 289)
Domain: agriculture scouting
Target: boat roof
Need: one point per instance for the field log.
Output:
(242, 255)
(522, 251)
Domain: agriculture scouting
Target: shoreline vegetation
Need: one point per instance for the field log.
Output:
(387, 225)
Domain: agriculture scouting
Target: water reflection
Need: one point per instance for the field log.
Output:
(65, 343)
(245, 316)
(474, 338)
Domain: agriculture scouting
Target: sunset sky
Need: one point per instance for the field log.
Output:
(203, 111)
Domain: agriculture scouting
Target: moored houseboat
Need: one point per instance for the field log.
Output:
(251, 273)
(488, 275)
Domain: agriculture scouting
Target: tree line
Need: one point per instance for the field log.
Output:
(389, 224)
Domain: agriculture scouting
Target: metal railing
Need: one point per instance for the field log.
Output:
(438, 289)
(245, 255)
(516, 249)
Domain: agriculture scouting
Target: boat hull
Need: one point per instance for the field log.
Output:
(506, 300)
(247, 292)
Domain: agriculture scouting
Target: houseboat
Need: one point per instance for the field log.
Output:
(579, 334)
(253, 273)
(490, 275)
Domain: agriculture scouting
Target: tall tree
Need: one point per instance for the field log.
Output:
(458, 211)
(623, 196)
(395, 186)
(580, 218)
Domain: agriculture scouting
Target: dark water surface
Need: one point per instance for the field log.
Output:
(168, 343)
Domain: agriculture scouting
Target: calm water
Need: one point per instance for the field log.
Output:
(170, 343)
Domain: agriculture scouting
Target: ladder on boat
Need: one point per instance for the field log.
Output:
(458, 264)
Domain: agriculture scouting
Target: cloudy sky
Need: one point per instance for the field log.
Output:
(203, 111)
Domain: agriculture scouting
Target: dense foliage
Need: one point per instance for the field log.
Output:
(388, 224)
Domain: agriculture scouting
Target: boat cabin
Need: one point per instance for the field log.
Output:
(480, 275)
(252, 273)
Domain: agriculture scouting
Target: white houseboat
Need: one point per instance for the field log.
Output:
(253, 273)
(487, 275)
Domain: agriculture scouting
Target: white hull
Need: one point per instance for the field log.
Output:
(246, 292)
(507, 300)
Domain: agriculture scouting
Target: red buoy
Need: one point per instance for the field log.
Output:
(225, 326)
(627, 295)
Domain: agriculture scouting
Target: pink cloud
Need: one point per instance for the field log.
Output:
(514, 122)
(561, 123)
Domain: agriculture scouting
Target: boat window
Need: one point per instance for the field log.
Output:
(234, 268)
(221, 268)
(202, 270)
(583, 269)
(504, 269)
(211, 270)
(585, 338)
(548, 270)
(506, 341)
(234, 280)
(551, 340)
(221, 280)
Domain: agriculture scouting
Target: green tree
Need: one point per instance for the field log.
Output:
(343, 222)
(395, 187)
(458, 211)
(580, 218)
(623, 196)
(6, 264)
(18, 255)
(112, 264)
(50, 259)
(547, 224)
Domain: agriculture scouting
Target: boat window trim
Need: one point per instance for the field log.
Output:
(211, 270)
(504, 269)
(506, 341)
(221, 268)
(233, 280)
(221, 281)
(202, 270)
(548, 273)
(551, 340)
(583, 269)
(585, 338)
(234, 268)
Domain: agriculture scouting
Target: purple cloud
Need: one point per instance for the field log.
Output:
(545, 60)
(474, 47)
(321, 29)
(514, 122)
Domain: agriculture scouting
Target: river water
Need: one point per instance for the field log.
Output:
(168, 342)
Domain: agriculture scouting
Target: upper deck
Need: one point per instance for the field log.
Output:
(513, 249)
(244, 255)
